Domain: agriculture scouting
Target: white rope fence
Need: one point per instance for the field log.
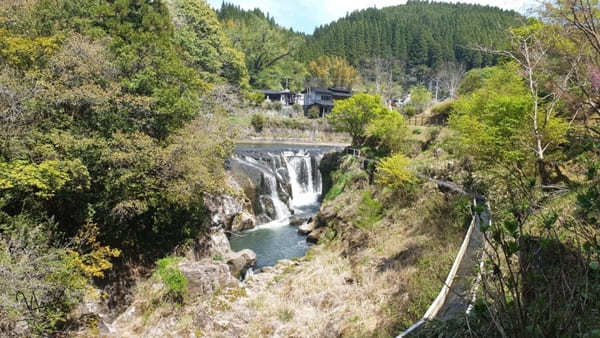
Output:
(440, 300)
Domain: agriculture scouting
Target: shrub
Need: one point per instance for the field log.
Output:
(277, 106)
(314, 112)
(369, 211)
(393, 172)
(410, 110)
(297, 108)
(417, 131)
(442, 111)
(173, 278)
(255, 98)
(258, 122)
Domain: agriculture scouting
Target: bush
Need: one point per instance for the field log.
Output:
(258, 122)
(442, 111)
(173, 278)
(277, 106)
(255, 98)
(314, 112)
(393, 172)
(297, 108)
(410, 110)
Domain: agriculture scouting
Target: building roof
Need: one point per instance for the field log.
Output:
(336, 92)
(275, 92)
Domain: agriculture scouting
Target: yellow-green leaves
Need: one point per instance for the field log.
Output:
(354, 115)
(394, 172)
(390, 130)
(26, 52)
(44, 180)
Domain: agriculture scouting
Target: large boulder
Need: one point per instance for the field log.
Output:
(240, 262)
(243, 221)
(306, 228)
(316, 234)
(296, 221)
(206, 277)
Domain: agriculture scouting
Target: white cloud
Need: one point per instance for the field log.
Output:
(305, 15)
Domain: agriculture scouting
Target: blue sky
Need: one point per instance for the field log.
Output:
(306, 15)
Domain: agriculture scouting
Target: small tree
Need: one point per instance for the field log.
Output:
(258, 122)
(390, 131)
(354, 115)
(314, 112)
(420, 98)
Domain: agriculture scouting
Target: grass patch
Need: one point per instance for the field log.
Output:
(173, 278)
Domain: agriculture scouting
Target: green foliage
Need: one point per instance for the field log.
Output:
(268, 48)
(258, 122)
(277, 106)
(41, 283)
(204, 43)
(333, 71)
(420, 98)
(394, 172)
(314, 112)
(297, 108)
(442, 110)
(409, 109)
(174, 280)
(370, 211)
(474, 79)
(354, 115)
(255, 98)
(418, 33)
(495, 122)
(390, 130)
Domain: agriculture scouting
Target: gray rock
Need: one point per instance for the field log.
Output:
(296, 221)
(316, 234)
(243, 221)
(306, 228)
(240, 262)
(206, 277)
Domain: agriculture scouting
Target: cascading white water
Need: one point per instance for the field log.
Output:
(287, 172)
(301, 178)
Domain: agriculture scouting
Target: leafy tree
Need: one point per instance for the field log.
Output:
(390, 131)
(354, 115)
(420, 98)
(264, 44)
(204, 43)
(333, 72)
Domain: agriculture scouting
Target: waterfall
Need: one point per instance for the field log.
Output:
(284, 182)
(301, 179)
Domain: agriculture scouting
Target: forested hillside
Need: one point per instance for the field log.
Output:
(417, 33)
(271, 51)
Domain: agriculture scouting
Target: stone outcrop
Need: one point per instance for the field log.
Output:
(230, 211)
(316, 234)
(205, 277)
(306, 228)
(240, 262)
(243, 221)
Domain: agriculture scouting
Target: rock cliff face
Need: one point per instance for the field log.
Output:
(231, 212)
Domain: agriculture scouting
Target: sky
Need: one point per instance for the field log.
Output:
(306, 15)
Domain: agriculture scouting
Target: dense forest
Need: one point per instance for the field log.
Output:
(417, 33)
